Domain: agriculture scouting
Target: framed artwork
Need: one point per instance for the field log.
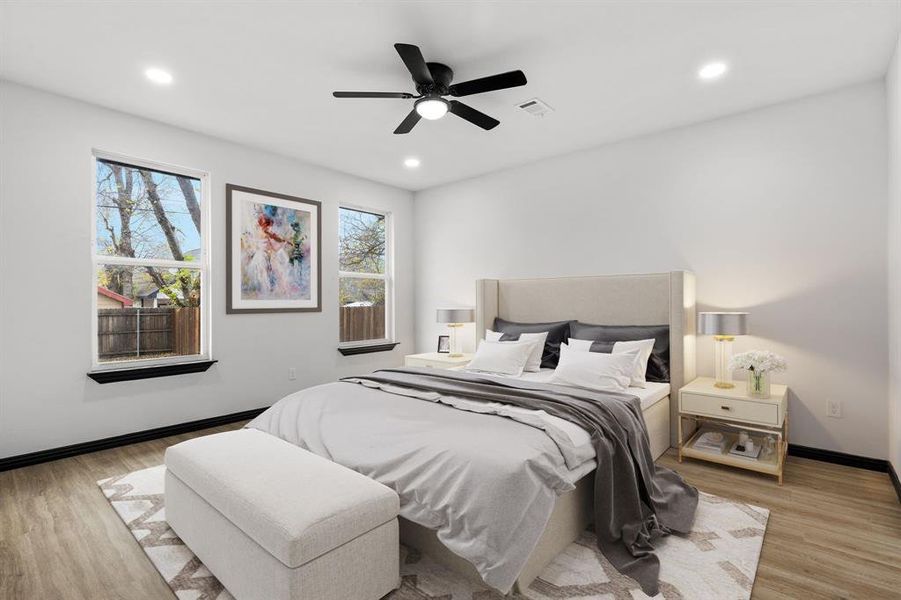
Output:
(272, 252)
(444, 344)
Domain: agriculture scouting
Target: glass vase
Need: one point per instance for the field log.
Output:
(758, 384)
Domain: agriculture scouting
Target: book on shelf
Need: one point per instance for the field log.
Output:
(710, 442)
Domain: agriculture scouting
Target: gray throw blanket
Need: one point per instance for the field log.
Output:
(635, 501)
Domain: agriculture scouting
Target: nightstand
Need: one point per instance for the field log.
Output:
(732, 410)
(437, 360)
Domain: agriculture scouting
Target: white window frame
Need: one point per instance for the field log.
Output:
(203, 265)
(387, 276)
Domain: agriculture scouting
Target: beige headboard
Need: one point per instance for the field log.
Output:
(644, 299)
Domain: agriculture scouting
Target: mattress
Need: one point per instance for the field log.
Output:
(649, 395)
(581, 453)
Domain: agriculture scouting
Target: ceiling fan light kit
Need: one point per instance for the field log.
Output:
(432, 107)
(432, 82)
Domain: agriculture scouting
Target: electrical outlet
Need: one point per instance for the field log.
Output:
(834, 409)
(292, 373)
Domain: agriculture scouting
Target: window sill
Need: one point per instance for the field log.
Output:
(134, 373)
(368, 349)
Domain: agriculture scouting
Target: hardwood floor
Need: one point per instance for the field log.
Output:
(59, 537)
(834, 532)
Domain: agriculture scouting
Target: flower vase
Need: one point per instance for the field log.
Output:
(758, 384)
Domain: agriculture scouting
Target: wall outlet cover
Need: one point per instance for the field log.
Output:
(834, 409)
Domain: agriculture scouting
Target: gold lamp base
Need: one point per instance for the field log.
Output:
(723, 347)
(454, 351)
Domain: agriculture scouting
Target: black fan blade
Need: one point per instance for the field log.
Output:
(407, 124)
(412, 57)
(472, 115)
(372, 95)
(488, 84)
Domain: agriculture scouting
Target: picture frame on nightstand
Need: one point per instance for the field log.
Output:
(444, 344)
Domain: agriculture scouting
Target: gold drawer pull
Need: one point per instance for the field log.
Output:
(726, 407)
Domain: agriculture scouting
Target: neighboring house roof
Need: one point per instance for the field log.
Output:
(117, 297)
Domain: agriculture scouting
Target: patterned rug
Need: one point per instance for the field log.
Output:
(717, 560)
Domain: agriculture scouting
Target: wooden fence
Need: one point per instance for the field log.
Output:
(362, 323)
(124, 333)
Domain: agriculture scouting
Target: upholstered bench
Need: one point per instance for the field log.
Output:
(274, 522)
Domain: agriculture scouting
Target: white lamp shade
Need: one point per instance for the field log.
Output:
(456, 315)
(722, 323)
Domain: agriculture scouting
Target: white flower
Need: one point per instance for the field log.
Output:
(760, 361)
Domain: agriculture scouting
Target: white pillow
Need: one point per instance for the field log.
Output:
(644, 347)
(594, 370)
(580, 345)
(502, 358)
(533, 365)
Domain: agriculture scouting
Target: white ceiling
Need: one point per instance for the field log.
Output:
(262, 73)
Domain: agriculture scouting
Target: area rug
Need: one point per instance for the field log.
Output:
(717, 560)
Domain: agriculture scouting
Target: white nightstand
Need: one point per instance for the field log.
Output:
(731, 410)
(437, 360)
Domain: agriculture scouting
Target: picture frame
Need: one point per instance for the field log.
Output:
(273, 252)
(444, 344)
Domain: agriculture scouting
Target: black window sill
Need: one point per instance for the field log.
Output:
(352, 350)
(133, 373)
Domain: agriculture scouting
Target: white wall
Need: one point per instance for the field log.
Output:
(780, 211)
(46, 400)
(893, 108)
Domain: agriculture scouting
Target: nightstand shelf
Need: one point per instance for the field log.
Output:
(707, 407)
(769, 465)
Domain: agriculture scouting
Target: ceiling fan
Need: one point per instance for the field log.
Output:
(433, 80)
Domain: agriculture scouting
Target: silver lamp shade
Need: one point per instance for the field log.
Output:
(723, 323)
(456, 315)
(723, 326)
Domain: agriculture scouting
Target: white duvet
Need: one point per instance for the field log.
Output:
(483, 475)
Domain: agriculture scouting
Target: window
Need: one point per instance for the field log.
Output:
(365, 287)
(151, 273)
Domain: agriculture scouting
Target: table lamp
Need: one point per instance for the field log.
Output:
(455, 318)
(723, 326)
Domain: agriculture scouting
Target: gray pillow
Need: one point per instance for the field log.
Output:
(557, 332)
(604, 337)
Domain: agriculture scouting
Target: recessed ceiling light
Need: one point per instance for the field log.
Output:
(158, 76)
(713, 70)
(412, 162)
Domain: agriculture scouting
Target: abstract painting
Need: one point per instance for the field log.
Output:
(272, 252)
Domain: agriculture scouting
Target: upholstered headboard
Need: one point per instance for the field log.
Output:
(643, 299)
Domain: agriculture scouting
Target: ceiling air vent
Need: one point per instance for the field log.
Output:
(535, 107)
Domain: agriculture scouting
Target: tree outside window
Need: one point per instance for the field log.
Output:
(364, 283)
(149, 263)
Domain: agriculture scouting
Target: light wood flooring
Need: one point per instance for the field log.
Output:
(834, 532)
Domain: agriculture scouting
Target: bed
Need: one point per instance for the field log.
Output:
(636, 299)
(410, 445)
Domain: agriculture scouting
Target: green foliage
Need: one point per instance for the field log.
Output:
(353, 289)
(176, 284)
